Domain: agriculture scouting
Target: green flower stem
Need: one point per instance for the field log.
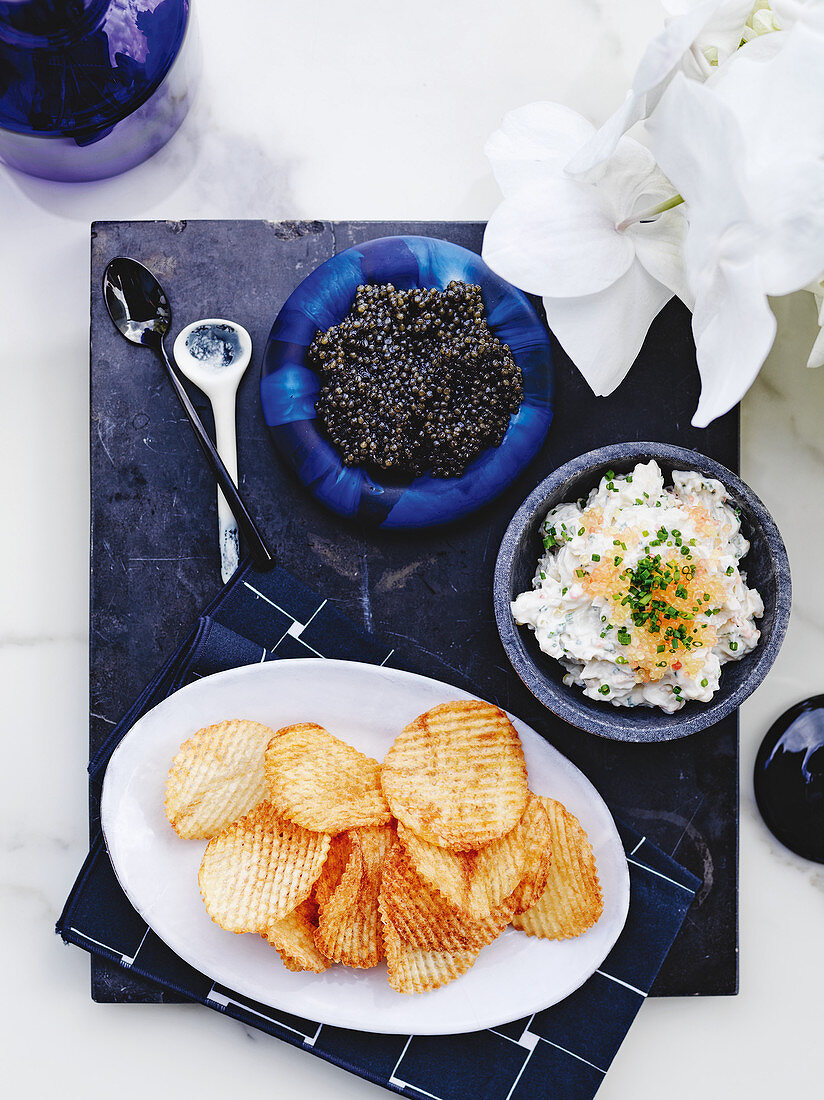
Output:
(645, 215)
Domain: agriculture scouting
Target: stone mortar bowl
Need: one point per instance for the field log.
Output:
(766, 567)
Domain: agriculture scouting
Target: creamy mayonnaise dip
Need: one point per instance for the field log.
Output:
(639, 594)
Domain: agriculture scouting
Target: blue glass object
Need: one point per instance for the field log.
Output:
(289, 387)
(789, 779)
(90, 88)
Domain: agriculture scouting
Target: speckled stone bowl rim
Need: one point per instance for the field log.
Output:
(602, 719)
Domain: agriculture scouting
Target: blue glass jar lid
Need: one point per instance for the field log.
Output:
(75, 67)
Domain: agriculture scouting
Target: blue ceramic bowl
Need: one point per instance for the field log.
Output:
(766, 566)
(289, 387)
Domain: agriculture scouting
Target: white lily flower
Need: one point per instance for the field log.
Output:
(745, 150)
(699, 36)
(603, 275)
(789, 12)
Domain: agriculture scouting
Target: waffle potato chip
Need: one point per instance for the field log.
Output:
(259, 869)
(413, 970)
(572, 901)
(456, 776)
(340, 849)
(477, 881)
(216, 777)
(536, 838)
(293, 937)
(321, 783)
(349, 926)
(424, 918)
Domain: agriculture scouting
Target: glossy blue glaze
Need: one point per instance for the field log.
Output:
(289, 388)
(89, 88)
(789, 778)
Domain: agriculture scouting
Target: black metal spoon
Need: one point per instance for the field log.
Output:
(141, 312)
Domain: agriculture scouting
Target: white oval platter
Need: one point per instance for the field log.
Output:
(367, 706)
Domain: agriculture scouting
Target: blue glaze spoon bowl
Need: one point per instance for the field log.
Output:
(289, 386)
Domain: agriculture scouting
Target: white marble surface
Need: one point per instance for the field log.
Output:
(371, 109)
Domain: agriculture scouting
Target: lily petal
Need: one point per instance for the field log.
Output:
(734, 329)
(777, 96)
(534, 142)
(659, 246)
(738, 161)
(792, 244)
(600, 147)
(790, 12)
(660, 62)
(557, 238)
(700, 147)
(724, 30)
(603, 333)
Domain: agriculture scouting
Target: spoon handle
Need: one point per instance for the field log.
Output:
(261, 553)
(223, 410)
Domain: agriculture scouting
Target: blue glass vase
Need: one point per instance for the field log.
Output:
(90, 88)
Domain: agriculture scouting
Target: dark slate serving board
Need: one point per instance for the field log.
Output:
(155, 562)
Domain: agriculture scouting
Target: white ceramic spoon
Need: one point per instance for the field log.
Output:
(213, 354)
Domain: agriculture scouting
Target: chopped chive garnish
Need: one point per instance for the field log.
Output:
(604, 689)
(580, 573)
(730, 570)
(596, 557)
(733, 646)
(704, 683)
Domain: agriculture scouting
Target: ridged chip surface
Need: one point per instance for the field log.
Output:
(456, 775)
(572, 901)
(259, 869)
(340, 849)
(478, 880)
(349, 927)
(321, 783)
(293, 937)
(424, 918)
(216, 777)
(413, 970)
(536, 836)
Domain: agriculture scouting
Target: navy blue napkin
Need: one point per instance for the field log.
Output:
(562, 1052)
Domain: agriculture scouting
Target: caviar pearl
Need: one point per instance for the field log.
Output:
(414, 380)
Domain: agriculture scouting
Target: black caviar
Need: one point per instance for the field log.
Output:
(414, 380)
